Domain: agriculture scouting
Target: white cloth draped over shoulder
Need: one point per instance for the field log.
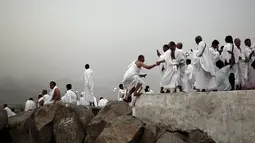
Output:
(162, 68)
(131, 77)
(181, 66)
(89, 85)
(50, 97)
(225, 55)
(222, 79)
(30, 105)
(215, 57)
(170, 78)
(9, 112)
(83, 102)
(46, 97)
(102, 102)
(189, 79)
(69, 97)
(205, 73)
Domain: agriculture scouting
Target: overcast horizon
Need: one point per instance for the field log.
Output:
(53, 40)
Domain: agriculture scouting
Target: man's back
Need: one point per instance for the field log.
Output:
(222, 79)
(30, 105)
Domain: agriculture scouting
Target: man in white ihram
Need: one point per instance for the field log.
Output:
(8, 110)
(89, 85)
(30, 105)
(205, 73)
(162, 67)
(102, 102)
(70, 96)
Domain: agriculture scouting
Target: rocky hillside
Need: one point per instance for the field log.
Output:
(61, 123)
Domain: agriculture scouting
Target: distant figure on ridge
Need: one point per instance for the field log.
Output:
(30, 105)
(54, 94)
(102, 102)
(70, 96)
(8, 110)
(89, 85)
(147, 90)
(121, 93)
(132, 81)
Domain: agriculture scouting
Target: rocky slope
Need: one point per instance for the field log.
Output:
(61, 123)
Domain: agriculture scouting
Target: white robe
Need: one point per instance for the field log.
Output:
(170, 78)
(236, 69)
(89, 85)
(222, 79)
(102, 102)
(189, 79)
(69, 97)
(46, 97)
(215, 57)
(205, 73)
(50, 97)
(83, 102)
(30, 105)
(95, 101)
(121, 94)
(162, 69)
(132, 77)
(40, 99)
(225, 55)
(180, 60)
(9, 112)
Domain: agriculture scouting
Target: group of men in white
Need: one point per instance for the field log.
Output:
(209, 68)
(86, 98)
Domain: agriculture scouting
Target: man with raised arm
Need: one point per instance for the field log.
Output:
(132, 81)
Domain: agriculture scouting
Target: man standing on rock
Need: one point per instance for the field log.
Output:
(89, 85)
(54, 94)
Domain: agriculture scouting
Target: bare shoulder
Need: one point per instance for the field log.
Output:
(138, 64)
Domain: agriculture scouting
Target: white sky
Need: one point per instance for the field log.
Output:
(54, 39)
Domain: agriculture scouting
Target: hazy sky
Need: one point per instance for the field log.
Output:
(54, 39)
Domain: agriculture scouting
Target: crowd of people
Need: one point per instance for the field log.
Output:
(207, 68)
(86, 98)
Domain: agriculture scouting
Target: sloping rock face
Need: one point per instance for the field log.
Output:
(121, 130)
(111, 111)
(3, 119)
(66, 123)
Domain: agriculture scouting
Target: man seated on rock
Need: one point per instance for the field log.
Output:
(83, 102)
(225, 78)
(8, 110)
(40, 101)
(102, 102)
(30, 105)
(70, 96)
(54, 94)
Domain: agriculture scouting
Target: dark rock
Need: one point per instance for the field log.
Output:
(111, 111)
(152, 132)
(67, 127)
(168, 137)
(121, 130)
(3, 119)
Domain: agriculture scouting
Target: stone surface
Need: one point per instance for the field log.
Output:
(121, 130)
(168, 137)
(225, 116)
(111, 111)
(3, 119)
(67, 127)
(197, 136)
(152, 132)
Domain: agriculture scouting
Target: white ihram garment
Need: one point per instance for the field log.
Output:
(83, 101)
(46, 97)
(95, 101)
(181, 67)
(121, 95)
(162, 69)
(215, 57)
(170, 78)
(131, 77)
(205, 73)
(225, 55)
(30, 105)
(189, 79)
(9, 112)
(102, 102)
(69, 97)
(89, 85)
(222, 79)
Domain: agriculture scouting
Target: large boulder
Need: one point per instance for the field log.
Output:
(111, 111)
(3, 119)
(121, 130)
(198, 136)
(168, 137)
(152, 132)
(67, 127)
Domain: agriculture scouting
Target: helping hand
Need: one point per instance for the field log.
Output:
(157, 63)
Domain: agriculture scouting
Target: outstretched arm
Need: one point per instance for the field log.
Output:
(148, 66)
